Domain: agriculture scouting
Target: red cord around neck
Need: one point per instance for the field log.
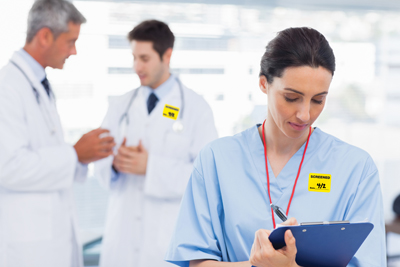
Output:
(295, 182)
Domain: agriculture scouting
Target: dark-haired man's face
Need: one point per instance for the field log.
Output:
(152, 71)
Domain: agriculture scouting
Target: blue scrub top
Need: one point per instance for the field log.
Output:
(226, 200)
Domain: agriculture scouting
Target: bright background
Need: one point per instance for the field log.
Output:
(217, 52)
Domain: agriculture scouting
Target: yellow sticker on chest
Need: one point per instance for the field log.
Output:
(171, 112)
(319, 182)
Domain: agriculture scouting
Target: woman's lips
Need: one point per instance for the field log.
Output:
(298, 127)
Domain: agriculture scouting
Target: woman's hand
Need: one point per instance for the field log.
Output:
(290, 222)
(263, 253)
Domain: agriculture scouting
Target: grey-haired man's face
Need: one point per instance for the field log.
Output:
(63, 46)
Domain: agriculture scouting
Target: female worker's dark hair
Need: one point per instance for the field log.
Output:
(295, 47)
(154, 31)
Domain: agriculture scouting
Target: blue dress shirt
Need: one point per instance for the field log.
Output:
(162, 90)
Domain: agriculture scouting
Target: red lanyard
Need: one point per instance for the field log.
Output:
(295, 182)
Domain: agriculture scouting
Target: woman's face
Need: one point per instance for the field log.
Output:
(296, 99)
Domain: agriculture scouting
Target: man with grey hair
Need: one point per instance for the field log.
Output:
(37, 168)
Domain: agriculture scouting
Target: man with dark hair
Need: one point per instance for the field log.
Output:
(155, 31)
(160, 126)
(37, 220)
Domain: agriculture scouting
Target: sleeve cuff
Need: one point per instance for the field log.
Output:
(81, 170)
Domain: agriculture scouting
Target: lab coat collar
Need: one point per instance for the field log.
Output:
(161, 91)
(154, 122)
(172, 93)
(46, 104)
(36, 68)
(34, 81)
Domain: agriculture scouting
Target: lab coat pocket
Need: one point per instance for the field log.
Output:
(27, 217)
(177, 146)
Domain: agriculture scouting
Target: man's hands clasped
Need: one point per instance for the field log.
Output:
(131, 159)
(96, 145)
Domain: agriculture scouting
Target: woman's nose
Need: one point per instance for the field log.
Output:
(304, 113)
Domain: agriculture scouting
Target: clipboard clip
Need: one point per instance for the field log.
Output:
(324, 222)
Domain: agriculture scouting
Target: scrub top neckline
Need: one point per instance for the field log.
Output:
(256, 149)
(281, 185)
(316, 131)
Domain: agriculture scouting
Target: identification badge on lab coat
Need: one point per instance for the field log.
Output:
(170, 112)
(319, 182)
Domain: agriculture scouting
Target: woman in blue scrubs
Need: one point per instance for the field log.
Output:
(285, 161)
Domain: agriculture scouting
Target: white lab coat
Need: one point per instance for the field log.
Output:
(37, 169)
(143, 208)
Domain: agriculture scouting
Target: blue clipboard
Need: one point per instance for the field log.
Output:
(324, 245)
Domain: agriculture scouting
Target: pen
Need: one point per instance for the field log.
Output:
(278, 211)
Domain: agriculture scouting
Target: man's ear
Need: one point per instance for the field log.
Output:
(45, 37)
(167, 55)
(263, 83)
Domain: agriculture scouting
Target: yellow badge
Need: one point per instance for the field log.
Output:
(170, 112)
(319, 182)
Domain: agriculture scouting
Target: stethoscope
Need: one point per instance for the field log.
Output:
(46, 114)
(177, 127)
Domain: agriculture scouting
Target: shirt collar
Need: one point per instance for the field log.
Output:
(162, 90)
(37, 69)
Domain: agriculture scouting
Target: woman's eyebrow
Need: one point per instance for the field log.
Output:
(323, 93)
(300, 93)
(295, 91)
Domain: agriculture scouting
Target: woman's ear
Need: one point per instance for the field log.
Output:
(263, 83)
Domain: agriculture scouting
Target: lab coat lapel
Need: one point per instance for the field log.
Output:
(47, 104)
(173, 99)
(138, 119)
(44, 99)
(150, 128)
(160, 126)
(56, 118)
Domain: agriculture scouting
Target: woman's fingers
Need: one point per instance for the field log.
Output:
(290, 221)
(257, 243)
(263, 250)
(290, 241)
(264, 254)
(266, 245)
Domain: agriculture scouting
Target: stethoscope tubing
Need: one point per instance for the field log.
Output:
(46, 114)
